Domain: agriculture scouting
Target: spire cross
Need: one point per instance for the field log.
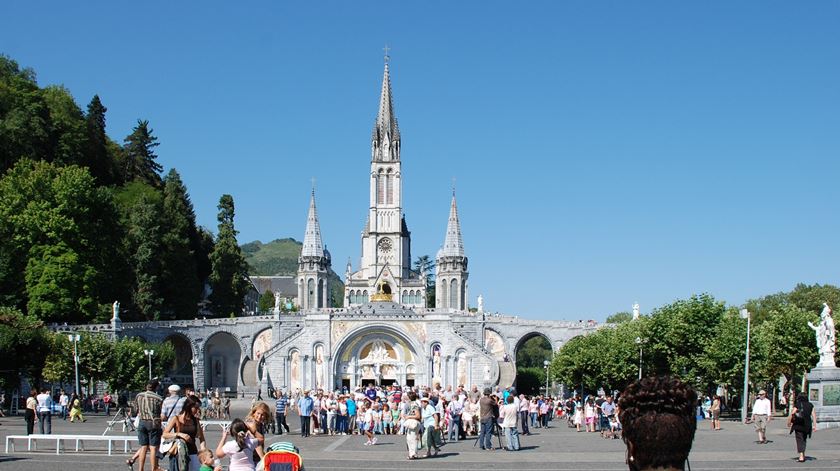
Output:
(313, 185)
(453, 186)
(386, 49)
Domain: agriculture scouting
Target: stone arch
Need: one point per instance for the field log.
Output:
(529, 336)
(181, 370)
(403, 351)
(222, 360)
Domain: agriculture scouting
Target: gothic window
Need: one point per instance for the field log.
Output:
(389, 188)
(365, 296)
(405, 297)
(380, 189)
(352, 297)
(310, 293)
(444, 298)
(320, 302)
(453, 294)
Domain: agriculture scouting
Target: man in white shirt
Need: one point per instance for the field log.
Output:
(761, 414)
(63, 401)
(45, 403)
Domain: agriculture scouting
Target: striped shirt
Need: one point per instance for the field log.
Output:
(148, 405)
(281, 404)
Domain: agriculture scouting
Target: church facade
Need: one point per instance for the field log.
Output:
(385, 334)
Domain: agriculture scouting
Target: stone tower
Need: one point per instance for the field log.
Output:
(313, 265)
(451, 263)
(386, 241)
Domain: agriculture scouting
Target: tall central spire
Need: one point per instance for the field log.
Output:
(386, 133)
(312, 246)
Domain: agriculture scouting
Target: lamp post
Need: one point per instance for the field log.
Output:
(75, 339)
(149, 353)
(640, 342)
(545, 364)
(745, 314)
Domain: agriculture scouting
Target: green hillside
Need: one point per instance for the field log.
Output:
(280, 257)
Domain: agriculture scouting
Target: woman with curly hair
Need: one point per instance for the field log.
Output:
(659, 422)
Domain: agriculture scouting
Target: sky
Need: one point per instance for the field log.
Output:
(603, 153)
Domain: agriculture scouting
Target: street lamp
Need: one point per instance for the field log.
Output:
(745, 314)
(149, 353)
(545, 364)
(640, 342)
(75, 339)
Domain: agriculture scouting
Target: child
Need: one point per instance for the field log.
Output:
(240, 449)
(205, 457)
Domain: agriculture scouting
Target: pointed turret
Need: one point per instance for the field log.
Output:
(451, 265)
(453, 245)
(385, 139)
(312, 246)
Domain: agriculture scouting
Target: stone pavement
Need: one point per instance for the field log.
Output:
(557, 448)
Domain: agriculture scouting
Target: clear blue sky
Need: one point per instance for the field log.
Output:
(604, 152)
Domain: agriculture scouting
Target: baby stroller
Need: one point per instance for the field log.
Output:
(281, 456)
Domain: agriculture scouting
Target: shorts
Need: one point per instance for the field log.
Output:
(149, 433)
(590, 420)
(761, 422)
(716, 415)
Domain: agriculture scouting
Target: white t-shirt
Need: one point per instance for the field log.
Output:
(240, 460)
(762, 406)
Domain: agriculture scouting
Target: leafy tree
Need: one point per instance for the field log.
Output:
(529, 380)
(228, 278)
(58, 284)
(679, 332)
(620, 317)
(24, 343)
(722, 361)
(68, 140)
(180, 285)
(59, 365)
(140, 160)
(266, 302)
(58, 213)
(784, 345)
(129, 367)
(24, 116)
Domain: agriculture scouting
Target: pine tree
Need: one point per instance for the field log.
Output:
(228, 278)
(144, 237)
(140, 160)
(180, 285)
(98, 159)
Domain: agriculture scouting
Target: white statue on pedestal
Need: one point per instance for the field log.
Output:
(826, 339)
(635, 311)
(480, 303)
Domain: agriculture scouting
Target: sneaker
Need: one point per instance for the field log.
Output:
(373, 442)
(368, 443)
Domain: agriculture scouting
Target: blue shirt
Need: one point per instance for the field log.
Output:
(305, 406)
(280, 404)
(351, 407)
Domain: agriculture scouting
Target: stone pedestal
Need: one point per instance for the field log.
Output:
(824, 393)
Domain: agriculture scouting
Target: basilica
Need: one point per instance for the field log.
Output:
(384, 334)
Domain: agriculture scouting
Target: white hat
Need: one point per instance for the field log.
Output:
(174, 388)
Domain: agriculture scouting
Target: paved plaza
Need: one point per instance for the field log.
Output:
(557, 448)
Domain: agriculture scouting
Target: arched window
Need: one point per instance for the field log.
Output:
(310, 293)
(389, 188)
(352, 297)
(380, 188)
(320, 301)
(364, 296)
(405, 297)
(444, 297)
(453, 294)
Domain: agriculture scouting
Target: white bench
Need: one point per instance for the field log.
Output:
(79, 439)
